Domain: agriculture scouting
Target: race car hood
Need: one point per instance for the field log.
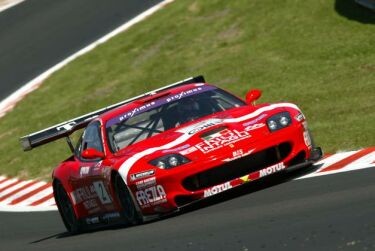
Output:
(210, 137)
(192, 132)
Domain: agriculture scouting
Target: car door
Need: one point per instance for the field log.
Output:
(93, 174)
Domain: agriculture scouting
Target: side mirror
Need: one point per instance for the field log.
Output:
(252, 96)
(92, 153)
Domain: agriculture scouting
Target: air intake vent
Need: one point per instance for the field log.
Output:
(213, 131)
(237, 168)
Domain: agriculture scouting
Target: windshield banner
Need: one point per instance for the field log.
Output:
(159, 102)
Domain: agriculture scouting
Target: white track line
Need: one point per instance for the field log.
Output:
(8, 103)
(7, 208)
(10, 4)
(347, 168)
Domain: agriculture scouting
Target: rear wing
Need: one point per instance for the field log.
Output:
(66, 128)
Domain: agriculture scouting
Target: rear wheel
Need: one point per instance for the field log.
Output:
(66, 209)
(129, 211)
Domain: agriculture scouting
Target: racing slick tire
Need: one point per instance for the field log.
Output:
(129, 211)
(66, 209)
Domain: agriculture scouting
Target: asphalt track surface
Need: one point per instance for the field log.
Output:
(333, 212)
(37, 34)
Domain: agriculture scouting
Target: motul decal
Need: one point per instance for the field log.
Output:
(217, 189)
(271, 169)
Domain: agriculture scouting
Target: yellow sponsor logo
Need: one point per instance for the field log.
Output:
(245, 178)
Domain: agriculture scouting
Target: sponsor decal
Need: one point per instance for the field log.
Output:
(255, 126)
(300, 117)
(106, 172)
(185, 94)
(93, 220)
(189, 150)
(256, 120)
(306, 138)
(136, 110)
(106, 217)
(102, 192)
(238, 154)
(193, 129)
(217, 189)
(113, 215)
(176, 149)
(306, 135)
(88, 195)
(146, 183)
(96, 168)
(90, 204)
(151, 196)
(271, 169)
(136, 176)
(84, 170)
(221, 139)
(245, 178)
(304, 124)
(83, 194)
(67, 126)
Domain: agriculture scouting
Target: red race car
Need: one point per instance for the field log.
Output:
(155, 153)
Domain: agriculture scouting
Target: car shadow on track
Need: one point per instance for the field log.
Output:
(55, 236)
(251, 187)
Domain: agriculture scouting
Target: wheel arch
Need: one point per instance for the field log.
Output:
(65, 185)
(114, 173)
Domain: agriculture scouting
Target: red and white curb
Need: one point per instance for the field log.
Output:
(25, 195)
(20, 195)
(344, 162)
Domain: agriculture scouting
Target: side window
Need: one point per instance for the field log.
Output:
(91, 138)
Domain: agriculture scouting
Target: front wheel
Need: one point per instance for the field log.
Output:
(129, 211)
(66, 209)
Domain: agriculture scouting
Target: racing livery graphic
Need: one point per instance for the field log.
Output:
(156, 153)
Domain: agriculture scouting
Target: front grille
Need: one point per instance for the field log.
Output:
(237, 168)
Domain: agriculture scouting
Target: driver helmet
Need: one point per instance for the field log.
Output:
(188, 109)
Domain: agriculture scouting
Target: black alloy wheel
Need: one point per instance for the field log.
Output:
(129, 211)
(66, 209)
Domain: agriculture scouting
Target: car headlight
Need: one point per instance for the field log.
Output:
(169, 161)
(279, 121)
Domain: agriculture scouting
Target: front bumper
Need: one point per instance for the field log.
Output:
(316, 154)
(286, 149)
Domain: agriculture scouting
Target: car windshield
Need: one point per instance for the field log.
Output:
(167, 112)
